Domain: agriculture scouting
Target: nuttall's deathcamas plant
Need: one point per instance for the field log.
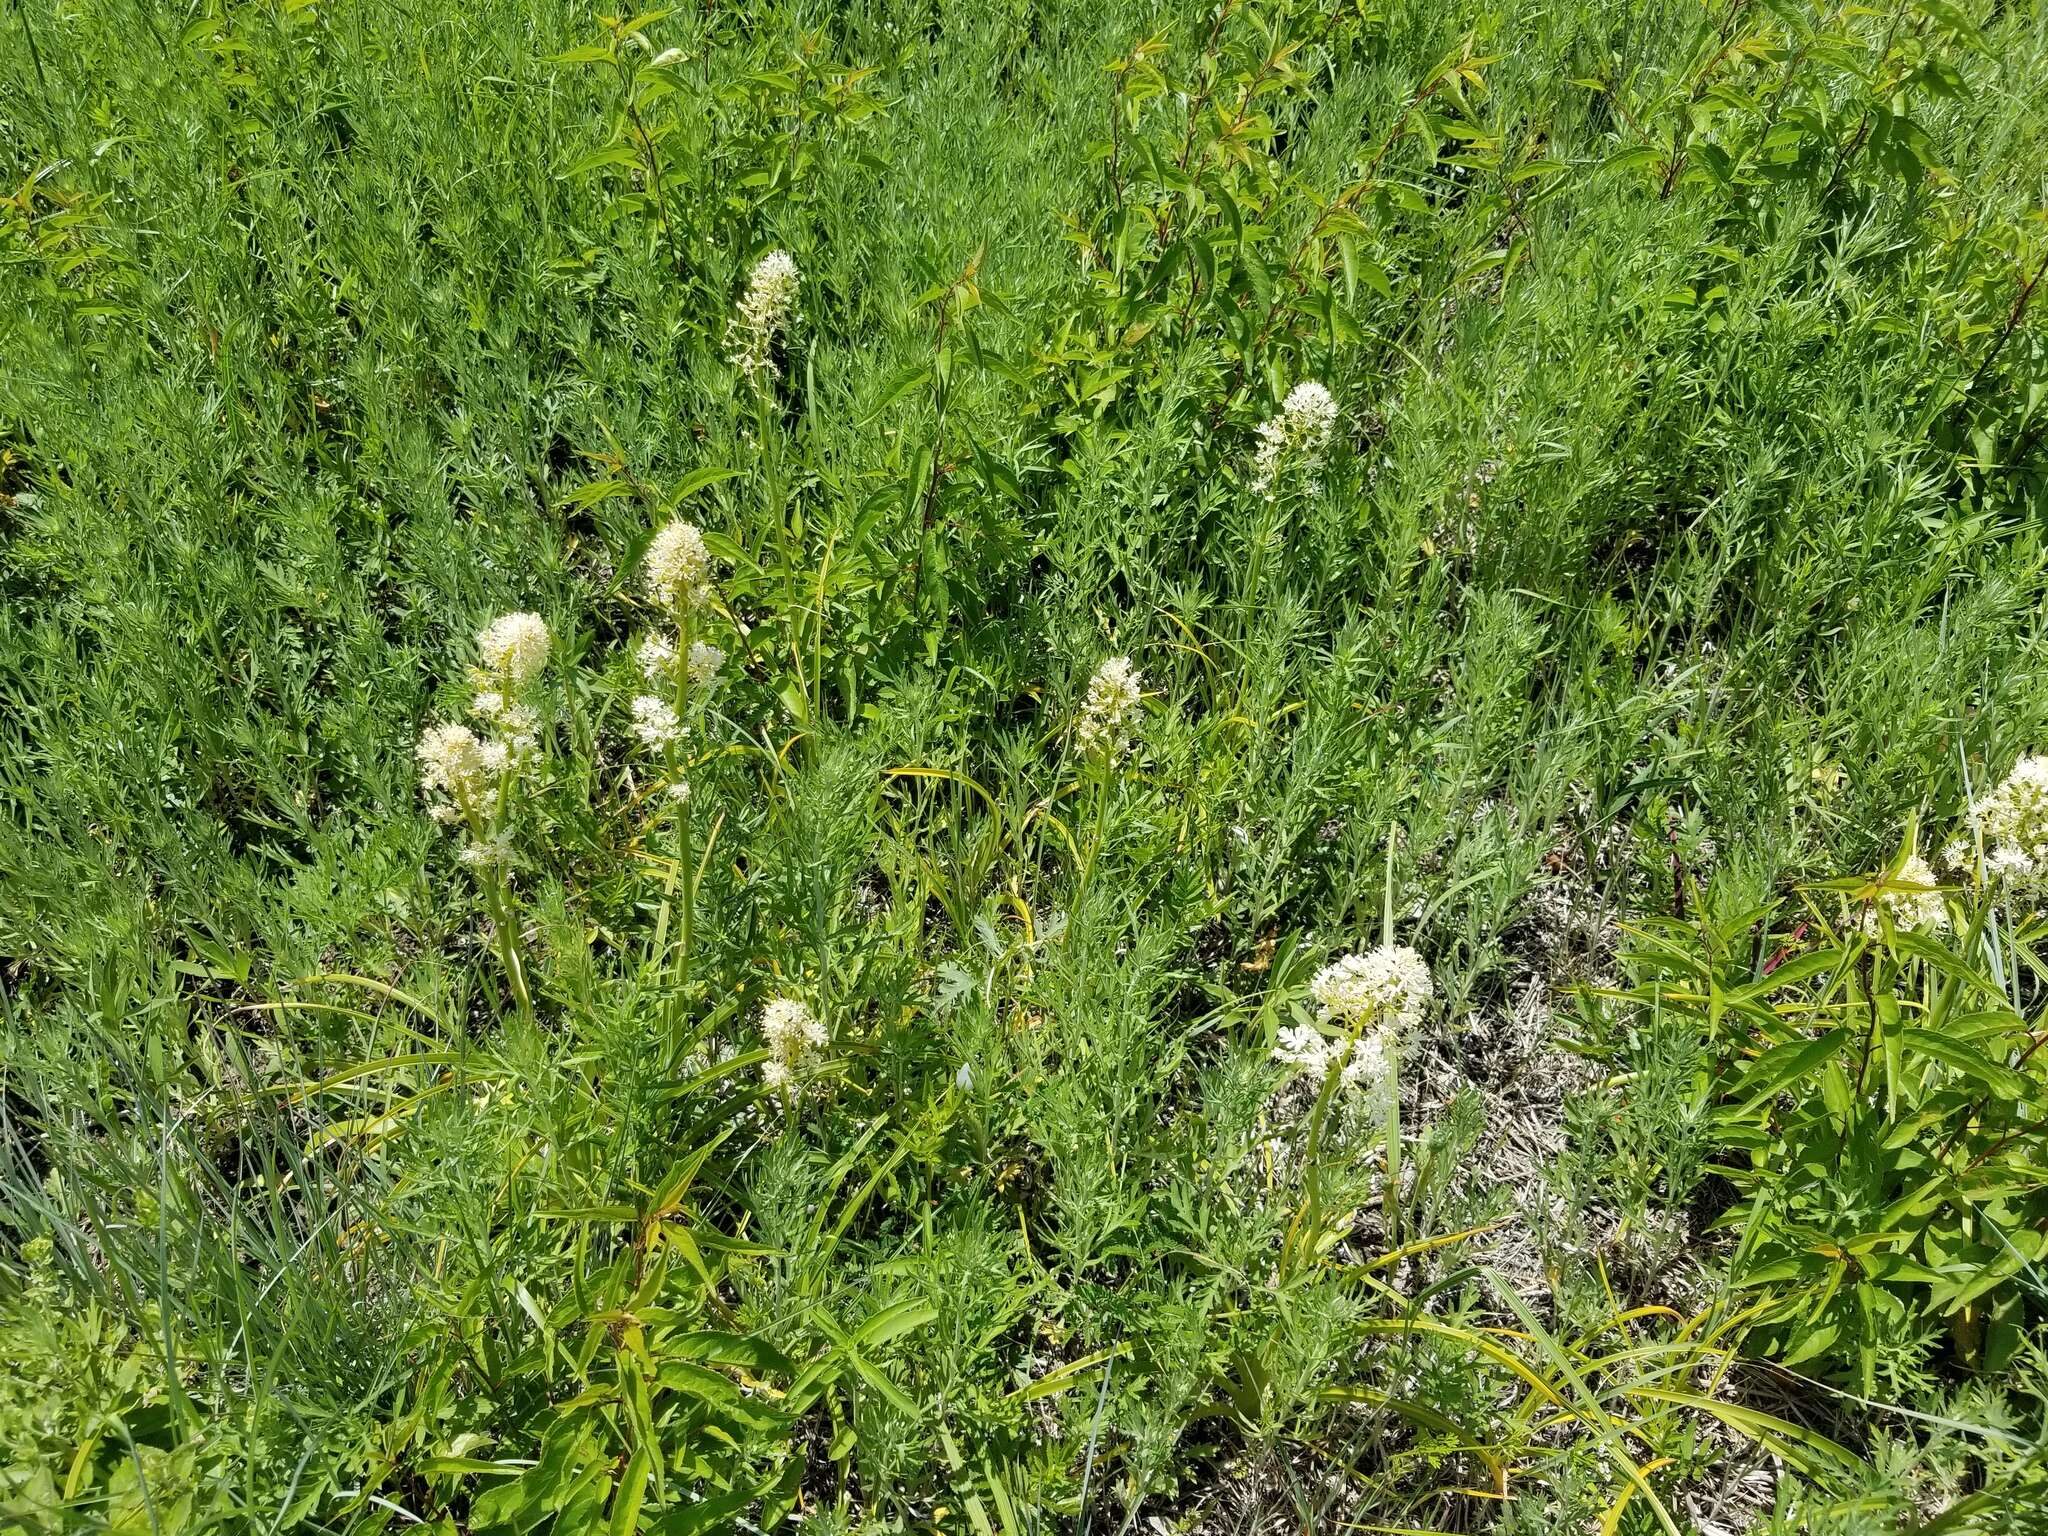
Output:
(1102, 734)
(1102, 730)
(679, 668)
(794, 1037)
(1365, 1004)
(1296, 439)
(766, 313)
(1292, 447)
(763, 320)
(1372, 999)
(473, 782)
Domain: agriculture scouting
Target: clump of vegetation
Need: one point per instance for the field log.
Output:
(767, 766)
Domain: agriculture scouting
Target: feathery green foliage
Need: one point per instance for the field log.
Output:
(1678, 539)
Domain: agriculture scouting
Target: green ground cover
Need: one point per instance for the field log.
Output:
(909, 1080)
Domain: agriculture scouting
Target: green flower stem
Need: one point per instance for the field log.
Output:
(685, 856)
(1390, 1201)
(785, 553)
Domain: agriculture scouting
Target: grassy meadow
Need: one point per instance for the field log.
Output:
(1032, 531)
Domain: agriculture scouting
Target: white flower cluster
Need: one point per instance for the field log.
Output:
(513, 648)
(792, 1034)
(1390, 985)
(1910, 900)
(703, 664)
(669, 670)
(456, 762)
(657, 656)
(1113, 694)
(1361, 1063)
(1371, 998)
(655, 723)
(2013, 819)
(1301, 434)
(767, 310)
(494, 852)
(677, 569)
(462, 772)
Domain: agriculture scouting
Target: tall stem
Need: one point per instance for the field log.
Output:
(1390, 1201)
(1306, 1226)
(482, 822)
(1099, 768)
(685, 853)
(778, 512)
(498, 903)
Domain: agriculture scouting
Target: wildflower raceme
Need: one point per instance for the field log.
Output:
(767, 310)
(1299, 437)
(1372, 999)
(1113, 695)
(678, 672)
(703, 663)
(677, 569)
(513, 649)
(1910, 899)
(793, 1035)
(453, 763)
(463, 773)
(1387, 986)
(2013, 819)
(656, 723)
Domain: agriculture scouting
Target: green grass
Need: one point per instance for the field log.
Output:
(1680, 542)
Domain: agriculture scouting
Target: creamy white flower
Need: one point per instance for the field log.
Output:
(2010, 867)
(705, 660)
(1390, 985)
(514, 648)
(662, 667)
(1113, 693)
(793, 1035)
(491, 853)
(657, 657)
(767, 310)
(790, 1028)
(1300, 433)
(677, 568)
(1363, 1064)
(655, 722)
(2014, 821)
(1367, 1062)
(517, 728)
(456, 762)
(1910, 900)
(666, 58)
(1303, 1048)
